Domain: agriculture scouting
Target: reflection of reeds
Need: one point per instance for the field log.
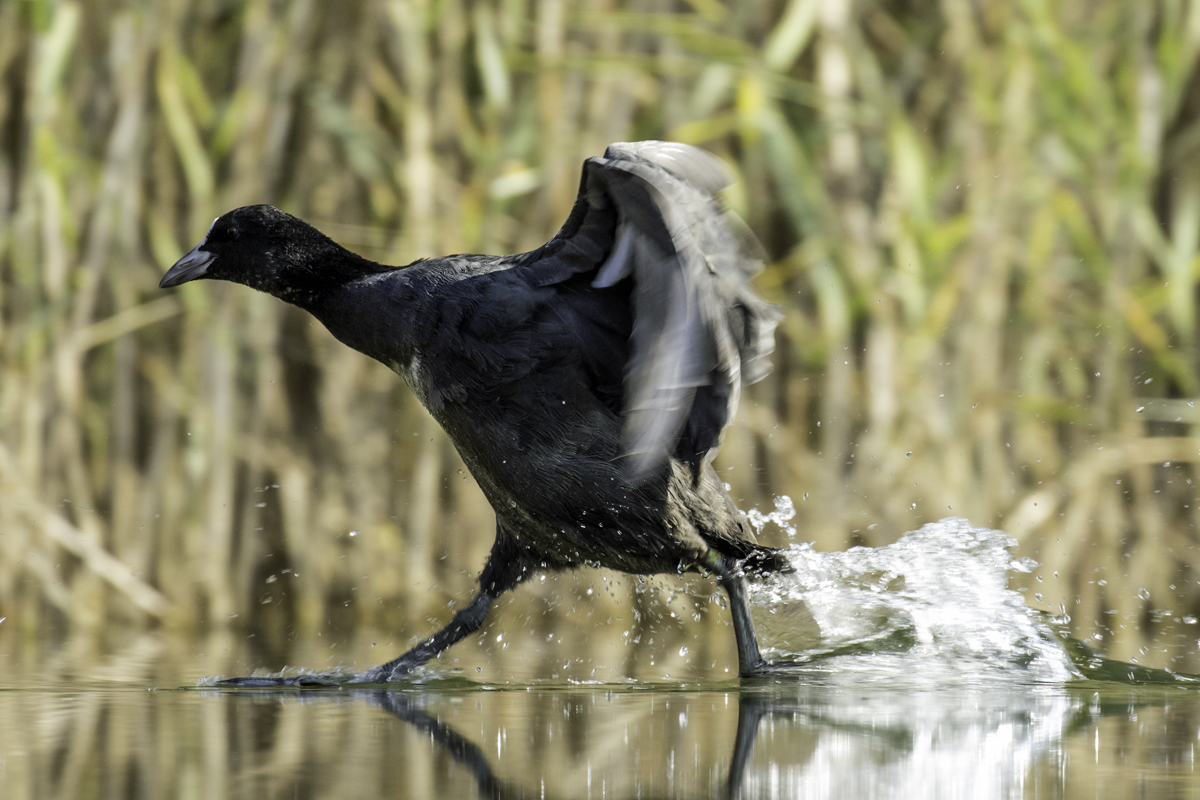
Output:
(983, 218)
(101, 734)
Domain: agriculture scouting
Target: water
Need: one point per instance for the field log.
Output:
(917, 673)
(933, 608)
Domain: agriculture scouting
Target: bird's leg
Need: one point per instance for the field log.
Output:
(465, 622)
(750, 660)
(505, 568)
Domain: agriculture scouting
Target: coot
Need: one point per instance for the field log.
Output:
(586, 384)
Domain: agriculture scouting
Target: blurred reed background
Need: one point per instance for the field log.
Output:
(983, 218)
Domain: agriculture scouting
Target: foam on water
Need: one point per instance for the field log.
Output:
(934, 606)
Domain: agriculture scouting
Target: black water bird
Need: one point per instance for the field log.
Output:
(586, 384)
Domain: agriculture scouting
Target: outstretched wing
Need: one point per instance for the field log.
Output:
(655, 276)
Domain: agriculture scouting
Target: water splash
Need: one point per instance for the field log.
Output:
(785, 511)
(934, 606)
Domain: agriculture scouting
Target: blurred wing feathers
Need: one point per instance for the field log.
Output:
(649, 211)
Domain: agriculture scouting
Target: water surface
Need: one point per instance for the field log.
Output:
(917, 672)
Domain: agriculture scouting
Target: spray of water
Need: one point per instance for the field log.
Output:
(934, 606)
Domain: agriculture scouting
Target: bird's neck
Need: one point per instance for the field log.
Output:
(308, 282)
(373, 315)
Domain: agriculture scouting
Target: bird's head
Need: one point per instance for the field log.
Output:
(269, 250)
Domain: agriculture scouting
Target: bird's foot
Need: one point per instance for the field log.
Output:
(290, 680)
(373, 675)
(777, 666)
(386, 673)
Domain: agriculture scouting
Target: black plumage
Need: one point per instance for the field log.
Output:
(586, 384)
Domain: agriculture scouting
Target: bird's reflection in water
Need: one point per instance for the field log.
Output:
(408, 707)
(789, 739)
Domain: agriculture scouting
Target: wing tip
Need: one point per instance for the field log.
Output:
(691, 164)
